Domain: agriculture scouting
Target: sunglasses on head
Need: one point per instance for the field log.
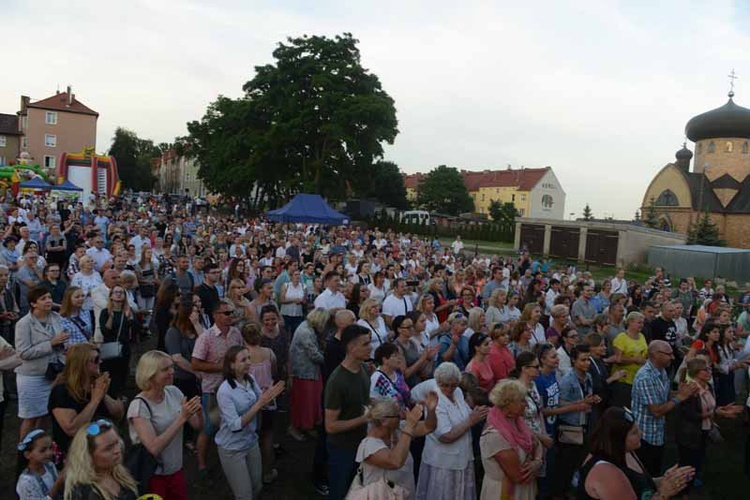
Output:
(29, 439)
(98, 427)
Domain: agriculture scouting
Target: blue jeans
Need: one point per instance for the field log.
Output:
(341, 469)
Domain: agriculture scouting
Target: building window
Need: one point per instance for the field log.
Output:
(50, 118)
(744, 147)
(24, 123)
(482, 196)
(521, 212)
(729, 146)
(25, 142)
(667, 199)
(2, 161)
(523, 197)
(512, 197)
(547, 202)
(49, 161)
(3, 141)
(50, 140)
(711, 147)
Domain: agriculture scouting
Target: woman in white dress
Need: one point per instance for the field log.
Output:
(447, 470)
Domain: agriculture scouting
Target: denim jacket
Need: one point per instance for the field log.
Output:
(570, 392)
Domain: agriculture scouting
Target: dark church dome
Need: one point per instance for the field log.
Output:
(730, 120)
(684, 153)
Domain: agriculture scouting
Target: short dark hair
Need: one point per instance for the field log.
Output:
(329, 275)
(577, 351)
(209, 267)
(229, 358)
(385, 351)
(351, 333)
(36, 293)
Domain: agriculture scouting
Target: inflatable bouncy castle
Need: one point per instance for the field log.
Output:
(13, 175)
(94, 173)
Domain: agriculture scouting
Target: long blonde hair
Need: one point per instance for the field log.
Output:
(80, 467)
(75, 375)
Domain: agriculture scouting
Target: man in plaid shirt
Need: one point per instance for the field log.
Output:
(651, 403)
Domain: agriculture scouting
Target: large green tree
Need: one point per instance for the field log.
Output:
(315, 120)
(133, 156)
(705, 232)
(387, 185)
(503, 213)
(443, 190)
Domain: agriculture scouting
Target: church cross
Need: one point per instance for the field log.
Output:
(732, 77)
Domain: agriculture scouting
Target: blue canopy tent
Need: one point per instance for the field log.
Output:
(37, 184)
(66, 186)
(310, 208)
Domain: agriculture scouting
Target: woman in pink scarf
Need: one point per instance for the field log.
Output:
(511, 455)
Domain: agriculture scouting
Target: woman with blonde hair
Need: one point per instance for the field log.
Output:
(371, 318)
(74, 319)
(631, 352)
(87, 279)
(80, 396)
(495, 307)
(384, 453)
(531, 314)
(511, 454)
(306, 358)
(116, 322)
(156, 416)
(94, 470)
(243, 309)
(433, 325)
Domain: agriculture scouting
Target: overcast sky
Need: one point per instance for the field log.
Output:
(600, 90)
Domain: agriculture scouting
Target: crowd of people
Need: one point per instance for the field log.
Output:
(419, 370)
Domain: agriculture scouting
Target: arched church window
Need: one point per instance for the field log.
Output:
(699, 148)
(667, 199)
(744, 147)
(711, 147)
(729, 146)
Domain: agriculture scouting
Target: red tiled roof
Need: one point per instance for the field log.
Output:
(523, 179)
(59, 102)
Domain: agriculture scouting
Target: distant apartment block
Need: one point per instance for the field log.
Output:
(535, 192)
(47, 128)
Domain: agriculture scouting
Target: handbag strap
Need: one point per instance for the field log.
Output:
(151, 413)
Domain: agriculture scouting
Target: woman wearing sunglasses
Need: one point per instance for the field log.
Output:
(94, 470)
(612, 469)
(81, 395)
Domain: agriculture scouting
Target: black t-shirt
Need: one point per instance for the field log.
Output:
(61, 398)
(661, 329)
(209, 299)
(334, 355)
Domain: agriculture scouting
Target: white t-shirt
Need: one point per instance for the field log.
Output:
(162, 415)
(457, 246)
(330, 300)
(404, 476)
(458, 454)
(393, 306)
(378, 330)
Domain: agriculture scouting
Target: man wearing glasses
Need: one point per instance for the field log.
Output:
(651, 403)
(207, 361)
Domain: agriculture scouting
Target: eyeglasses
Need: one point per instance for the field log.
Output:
(98, 427)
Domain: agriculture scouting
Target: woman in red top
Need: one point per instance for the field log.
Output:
(708, 339)
(500, 358)
(479, 347)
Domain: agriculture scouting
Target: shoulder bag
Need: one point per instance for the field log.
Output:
(140, 462)
(113, 350)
